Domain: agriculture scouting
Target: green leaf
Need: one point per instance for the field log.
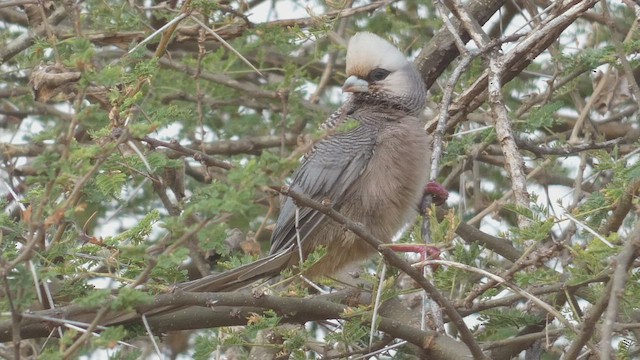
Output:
(140, 231)
(111, 184)
(542, 117)
(205, 345)
(129, 298)
(94, 298)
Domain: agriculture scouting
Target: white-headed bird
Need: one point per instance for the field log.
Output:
(372, 167)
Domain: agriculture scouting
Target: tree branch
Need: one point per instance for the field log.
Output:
(395, 260)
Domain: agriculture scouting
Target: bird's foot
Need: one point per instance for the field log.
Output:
(427, 252)
(438, 193)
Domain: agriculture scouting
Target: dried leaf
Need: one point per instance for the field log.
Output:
(47, 81)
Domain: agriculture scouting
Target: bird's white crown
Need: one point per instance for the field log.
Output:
(367, 51)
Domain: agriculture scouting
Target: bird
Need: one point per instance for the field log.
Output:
(372, 166)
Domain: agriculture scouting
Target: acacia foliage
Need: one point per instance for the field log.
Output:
(138, 161)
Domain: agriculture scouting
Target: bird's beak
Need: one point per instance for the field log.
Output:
(355, 84)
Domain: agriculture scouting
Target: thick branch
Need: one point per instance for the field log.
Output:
(441, 50)
(233, 309)
(197, 155)
(516, 60)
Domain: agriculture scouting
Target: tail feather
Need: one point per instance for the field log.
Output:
(241, 276)
(230, 280)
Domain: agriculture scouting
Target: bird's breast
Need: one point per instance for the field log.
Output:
(392, 183)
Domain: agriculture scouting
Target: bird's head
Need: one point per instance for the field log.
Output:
(378, 73)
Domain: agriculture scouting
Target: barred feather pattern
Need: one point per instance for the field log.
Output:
(373, 173)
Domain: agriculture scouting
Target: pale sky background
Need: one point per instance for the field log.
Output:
(287, 9)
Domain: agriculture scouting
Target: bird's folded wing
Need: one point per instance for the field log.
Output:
(326, 175)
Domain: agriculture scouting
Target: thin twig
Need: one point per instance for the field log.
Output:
(159, 31)
(536, 300)
(500, 202)
(624, 260)
(71, 350)
(197, 155)
(15, 318)
(622, 57)
(377, 302)
(395, 260)
(225, 44)
(589, 324)
(25, 40)
(589, 229)
(151, 336)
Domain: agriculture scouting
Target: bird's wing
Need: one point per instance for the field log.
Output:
(334, 166)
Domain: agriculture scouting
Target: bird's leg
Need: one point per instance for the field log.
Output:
(427, 252)
(438, 197)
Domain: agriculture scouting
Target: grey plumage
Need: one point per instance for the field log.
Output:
(373, 173)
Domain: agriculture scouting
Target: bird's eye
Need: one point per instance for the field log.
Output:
(378, 74)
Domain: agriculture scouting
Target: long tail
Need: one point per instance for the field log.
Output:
(230, 280)
(241, 276)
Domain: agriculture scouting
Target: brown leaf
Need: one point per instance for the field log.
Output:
(615, 91)
(47, 81)
(55, 218)
(253, 319)
(26, 215)
(34, 12)
(251, 247)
